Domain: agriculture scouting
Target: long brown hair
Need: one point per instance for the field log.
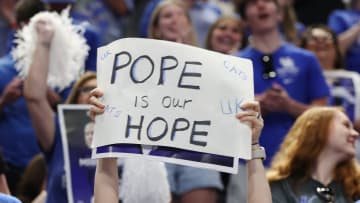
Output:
(302, 146)
(33, 180)
(288, 24)
(74, 93)
(191, 38)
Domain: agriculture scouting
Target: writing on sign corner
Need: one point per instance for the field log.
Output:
(235, 70)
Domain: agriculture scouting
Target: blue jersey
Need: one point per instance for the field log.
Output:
(56, 182)
(299, 72)
(17, 136)
(339, 22)
(4, 198)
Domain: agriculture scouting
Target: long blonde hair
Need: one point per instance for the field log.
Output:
(190, 39)
(302, 146)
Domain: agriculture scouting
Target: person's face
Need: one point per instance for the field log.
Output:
(321, 43)
(262, 15)
(226, 36)
(84, 91)
(88, 133)
(173, 24)
(342, 136)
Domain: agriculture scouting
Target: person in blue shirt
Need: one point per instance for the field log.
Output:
(287, 79)
(17, 137)
(346, 24)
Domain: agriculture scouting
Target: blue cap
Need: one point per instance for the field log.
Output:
(58, 1)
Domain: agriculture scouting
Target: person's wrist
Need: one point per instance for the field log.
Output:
(45, 45)
(258, 152)
(255, 143)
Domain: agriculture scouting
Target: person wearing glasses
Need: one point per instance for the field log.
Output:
(316, 161)
(324, 43)
(287, 79)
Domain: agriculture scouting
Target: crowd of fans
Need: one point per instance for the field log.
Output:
(295, 48)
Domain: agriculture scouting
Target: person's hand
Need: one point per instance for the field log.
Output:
(276, 99)
(97, 107)
(251, 116)
(12, 91)
(45, 32)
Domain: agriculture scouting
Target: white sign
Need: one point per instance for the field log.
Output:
(168, 94)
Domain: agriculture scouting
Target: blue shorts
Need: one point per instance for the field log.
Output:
(183, 179)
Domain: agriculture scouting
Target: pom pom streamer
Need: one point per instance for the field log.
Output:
(68, 50)
(144, 181)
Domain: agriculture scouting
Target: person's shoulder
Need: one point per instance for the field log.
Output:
(292, 49)
(281, 190)
(7, 61)
(340, 12)
(7, 66)
(4, 198)
(246, 52)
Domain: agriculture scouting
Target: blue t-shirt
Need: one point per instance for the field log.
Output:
(339, 22)
(4, 198)
(17, 136)
(300, 74)
(56, 183)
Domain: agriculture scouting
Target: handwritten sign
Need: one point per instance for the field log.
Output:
(168, 94)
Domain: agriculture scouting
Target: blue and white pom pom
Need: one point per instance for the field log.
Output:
(68, 50)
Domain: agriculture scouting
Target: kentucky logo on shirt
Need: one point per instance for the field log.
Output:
(287, 70)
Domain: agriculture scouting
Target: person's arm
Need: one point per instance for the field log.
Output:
(106, 175)
(35, 88)
(4, 188)
(296, 108)
(11, 93)
(106, 181)
(258, 186)
(349, 37)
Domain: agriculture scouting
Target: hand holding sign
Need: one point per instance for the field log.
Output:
(252, 117)
(97, 106)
